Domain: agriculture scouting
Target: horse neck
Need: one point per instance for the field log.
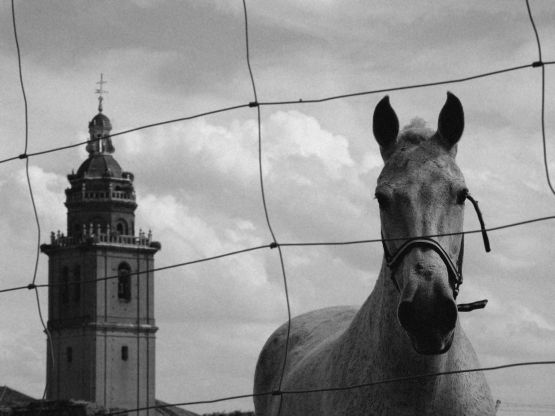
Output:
(376, 334)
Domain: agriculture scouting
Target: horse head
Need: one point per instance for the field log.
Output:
(421, 192)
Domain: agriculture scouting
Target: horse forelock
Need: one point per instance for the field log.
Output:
(415, 148)
(415, 133)
(413, 136)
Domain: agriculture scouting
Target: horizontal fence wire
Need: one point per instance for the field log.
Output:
(285, 102)
(275, 244)
(332, 389)
(120, 133)
(141, 272)
(526, 408)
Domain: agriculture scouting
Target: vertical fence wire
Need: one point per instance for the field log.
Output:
(31, 193)
(266, 213)
(541, 64)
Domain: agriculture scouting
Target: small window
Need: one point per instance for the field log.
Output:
(121, 227)
(69, 354)
(124, 282)
(124, 353)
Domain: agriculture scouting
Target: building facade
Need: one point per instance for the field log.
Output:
(101, 293)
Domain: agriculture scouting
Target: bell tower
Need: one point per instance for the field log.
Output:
(101, 293)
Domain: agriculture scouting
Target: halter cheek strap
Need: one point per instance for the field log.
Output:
(454, 270)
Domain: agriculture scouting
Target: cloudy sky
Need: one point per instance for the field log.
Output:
(197, 181)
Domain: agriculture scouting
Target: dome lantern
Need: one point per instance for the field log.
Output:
(100, 126)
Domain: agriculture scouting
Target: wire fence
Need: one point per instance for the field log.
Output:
(275, 244)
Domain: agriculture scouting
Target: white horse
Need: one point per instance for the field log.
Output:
(409, 324)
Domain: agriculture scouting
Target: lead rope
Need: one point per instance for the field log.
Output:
(481, 219)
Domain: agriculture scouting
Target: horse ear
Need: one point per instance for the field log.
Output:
(450, 125)
(385, 126)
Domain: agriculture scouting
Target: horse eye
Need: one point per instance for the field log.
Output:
(461, 196)
(381, 198)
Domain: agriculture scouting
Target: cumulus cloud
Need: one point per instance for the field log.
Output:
(22, 359)
(223, 283)
(193, 225)
(293, 134)
(48, 192)
(304, 167)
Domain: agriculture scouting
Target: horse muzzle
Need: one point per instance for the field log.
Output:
(428, 313)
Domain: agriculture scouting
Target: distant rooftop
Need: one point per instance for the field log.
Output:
(10, 397)
(13, 398)
(172, 410)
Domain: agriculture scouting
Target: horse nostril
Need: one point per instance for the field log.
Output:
(447, 315)
(441, 316)
(407, 316)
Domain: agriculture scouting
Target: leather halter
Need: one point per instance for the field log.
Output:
(454, 269)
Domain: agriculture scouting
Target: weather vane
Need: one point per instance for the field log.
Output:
(101, 91)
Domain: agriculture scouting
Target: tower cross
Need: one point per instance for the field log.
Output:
(101, 91)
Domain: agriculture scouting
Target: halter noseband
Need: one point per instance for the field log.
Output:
(454, 270)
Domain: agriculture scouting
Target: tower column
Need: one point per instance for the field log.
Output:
(101, 308)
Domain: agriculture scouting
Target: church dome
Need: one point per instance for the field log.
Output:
(100, 165)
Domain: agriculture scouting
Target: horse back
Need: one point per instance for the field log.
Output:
(310, 335)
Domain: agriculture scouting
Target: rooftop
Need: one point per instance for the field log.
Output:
(99, 165)
(12, 398)
(101, 121)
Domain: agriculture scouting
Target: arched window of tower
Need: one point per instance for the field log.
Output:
(122, 227)
(124, 353)
(124, 282)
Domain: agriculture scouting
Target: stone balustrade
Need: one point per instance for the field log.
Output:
(101, 195)
(96, 235)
